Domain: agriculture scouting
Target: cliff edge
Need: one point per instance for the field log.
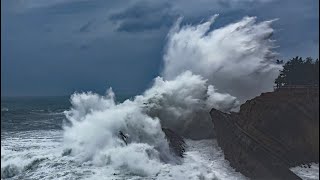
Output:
(271, 133)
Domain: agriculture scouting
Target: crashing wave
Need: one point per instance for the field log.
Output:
(203, 68)
(10, 170)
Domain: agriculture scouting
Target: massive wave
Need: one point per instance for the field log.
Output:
(237, 59)
(204, 68)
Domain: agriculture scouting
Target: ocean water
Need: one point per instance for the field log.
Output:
(32, 147)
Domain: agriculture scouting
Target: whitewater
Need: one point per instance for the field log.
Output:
(204, 67)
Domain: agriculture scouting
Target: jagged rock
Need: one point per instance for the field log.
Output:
(271, 133)
(176, 142)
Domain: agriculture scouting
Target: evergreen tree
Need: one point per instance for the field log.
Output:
(297, 71)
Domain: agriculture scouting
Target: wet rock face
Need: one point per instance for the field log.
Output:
(288, 118)
(176, 142)
(271, 133)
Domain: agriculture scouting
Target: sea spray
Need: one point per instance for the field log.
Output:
(183, 103)
(237, 58)
(203, 68)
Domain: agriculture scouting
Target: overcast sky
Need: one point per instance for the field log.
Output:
(56, 47)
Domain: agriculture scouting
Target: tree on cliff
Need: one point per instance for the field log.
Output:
(297, 71)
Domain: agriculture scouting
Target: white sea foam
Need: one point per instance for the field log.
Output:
(38, 155)
(203, 68)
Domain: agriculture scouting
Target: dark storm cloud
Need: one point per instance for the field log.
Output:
(55, 49)
(52, 47)
(144, 16)
(147, 15)
(296, 31)
(144, 12)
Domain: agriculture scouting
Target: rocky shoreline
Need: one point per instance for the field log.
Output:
(271, 133)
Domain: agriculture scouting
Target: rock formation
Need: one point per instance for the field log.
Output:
(271, 133)
(176, 142)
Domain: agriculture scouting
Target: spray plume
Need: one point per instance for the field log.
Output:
(204, 68)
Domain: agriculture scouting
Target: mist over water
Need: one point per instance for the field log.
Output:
(204, 68)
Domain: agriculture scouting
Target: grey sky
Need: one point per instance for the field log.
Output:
(56, 47)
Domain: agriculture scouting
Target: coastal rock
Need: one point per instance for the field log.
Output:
(176, 142)
(271, 133)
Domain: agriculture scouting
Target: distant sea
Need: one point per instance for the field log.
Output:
(32, 148)
(35, 113)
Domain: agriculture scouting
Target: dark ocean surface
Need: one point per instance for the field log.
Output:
(32, 113)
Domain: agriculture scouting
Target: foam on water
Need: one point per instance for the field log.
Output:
(37, 155)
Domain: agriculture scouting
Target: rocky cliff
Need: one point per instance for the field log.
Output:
(271, 133)
(176, 142)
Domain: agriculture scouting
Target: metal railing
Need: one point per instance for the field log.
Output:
(296, 87)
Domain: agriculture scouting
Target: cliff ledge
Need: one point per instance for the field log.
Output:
(271, 133)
